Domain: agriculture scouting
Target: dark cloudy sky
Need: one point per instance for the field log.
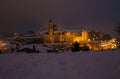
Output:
(23, 15)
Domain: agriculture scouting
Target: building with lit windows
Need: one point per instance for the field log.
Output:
(56, 35)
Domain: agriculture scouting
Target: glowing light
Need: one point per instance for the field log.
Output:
(77, 39)
(2, 44)
(111, 44)
(114, 46)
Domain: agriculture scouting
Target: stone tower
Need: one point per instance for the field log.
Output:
(84, 35)
(50, 30)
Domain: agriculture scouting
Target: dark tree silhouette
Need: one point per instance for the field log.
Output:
(118, 29)
(98, 36)
(76, 47)
(118, 33)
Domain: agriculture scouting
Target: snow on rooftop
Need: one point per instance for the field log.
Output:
(78, 30)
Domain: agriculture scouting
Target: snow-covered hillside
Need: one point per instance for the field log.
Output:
(67, 65)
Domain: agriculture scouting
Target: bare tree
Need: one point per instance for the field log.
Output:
(118, 29)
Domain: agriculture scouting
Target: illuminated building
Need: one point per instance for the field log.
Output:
(95, 40)
(56, 35)
(76, 36)
(50, 26)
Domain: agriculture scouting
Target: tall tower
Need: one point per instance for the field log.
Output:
(84, 35)
(50, 29)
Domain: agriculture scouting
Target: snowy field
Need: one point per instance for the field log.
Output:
(67, 65)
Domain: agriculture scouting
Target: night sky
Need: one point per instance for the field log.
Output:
(24, 15)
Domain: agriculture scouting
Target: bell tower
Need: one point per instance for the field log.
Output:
(50, 30)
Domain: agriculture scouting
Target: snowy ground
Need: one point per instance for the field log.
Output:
(67, 65)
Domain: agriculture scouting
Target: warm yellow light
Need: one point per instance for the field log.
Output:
(77, 39)
(89, 40)
(114, 46)
(2, 44)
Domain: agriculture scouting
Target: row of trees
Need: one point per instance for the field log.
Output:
(99, 36)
